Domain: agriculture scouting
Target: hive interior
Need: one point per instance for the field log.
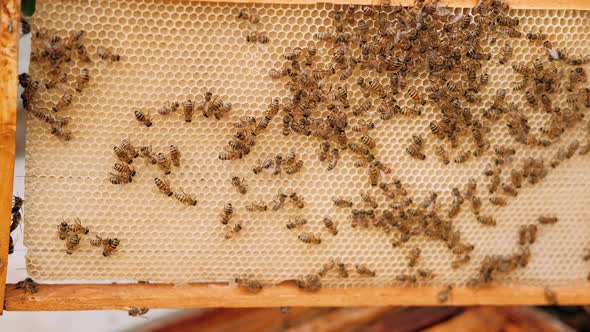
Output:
(175, 50)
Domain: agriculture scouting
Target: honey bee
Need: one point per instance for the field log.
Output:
(331, 226)
(436, 131)
(327, 267)
(228, 212)
(462, 157)
(516, 178)
(257, 206)
(377, 88)
(406, 278)
(144, 118)
(146, 152)
(442, 154)
(168, 108)
(279, 201)
(77, 227)
(460, 261)
(474, 54)
(239, 184)
(505, 54)
(245, 14)
(163, 186)
(231, 232)
(475, 204)
(262, 165)
(185, 198)
(129, 148)
(82, 80)
(368, 141)
(507, 21)
(106, 54)
(363, 270)
(444, 294)
(72, 243)
(263, 38)
(454, 209)
(121, 178)
(509, 190)
(360, 110)
(287, 119)
(414, 153)
(414, 256)
(188, 110)
(522, 69)
(547, 220)
(296, 222)
(342, 202)
(163, 163)
(374, 175)
(530, 98)
(309, 238)
(333, 159)
(61, 133)
(415, 96)
(310, 282)
(59, 79)
(62, 230)
(360, 150)
(369, 200)
(28, 285)
(341, 267)
(249, 284)
(536, 36)
(297, 200)
(108, 245)
(122, 155)
(550, 296)
(498, 201)
(137, 312)
(494, 183)
(62, 103)
(295, 167)
(486, 220)
(364, 126)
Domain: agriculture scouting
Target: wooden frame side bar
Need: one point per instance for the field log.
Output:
(9, 39)
(122, 296)
(516, 4)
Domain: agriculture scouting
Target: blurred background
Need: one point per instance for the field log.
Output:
(430, 319)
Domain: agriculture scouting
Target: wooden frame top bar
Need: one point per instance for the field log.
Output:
(123, 296)
(9, 39)
(516, 4)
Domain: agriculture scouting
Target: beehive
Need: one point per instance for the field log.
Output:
(178, 50)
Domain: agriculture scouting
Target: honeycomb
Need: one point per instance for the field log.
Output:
(175, 50)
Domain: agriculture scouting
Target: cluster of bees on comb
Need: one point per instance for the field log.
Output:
(73, 232)
(124, 171)
(210, 105)
(57, 56)
(403, 42)
(16, 218)
(255, 35)
(400, 43)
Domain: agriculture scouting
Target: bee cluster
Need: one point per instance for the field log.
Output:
(291, 164)
(255, 35)
(72, 234)
(210, 105)
(16, 218)
(56, 57)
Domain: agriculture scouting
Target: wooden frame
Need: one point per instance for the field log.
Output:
(122, 296)
(9, 38)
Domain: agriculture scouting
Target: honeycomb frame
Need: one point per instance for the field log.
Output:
(51, 165)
